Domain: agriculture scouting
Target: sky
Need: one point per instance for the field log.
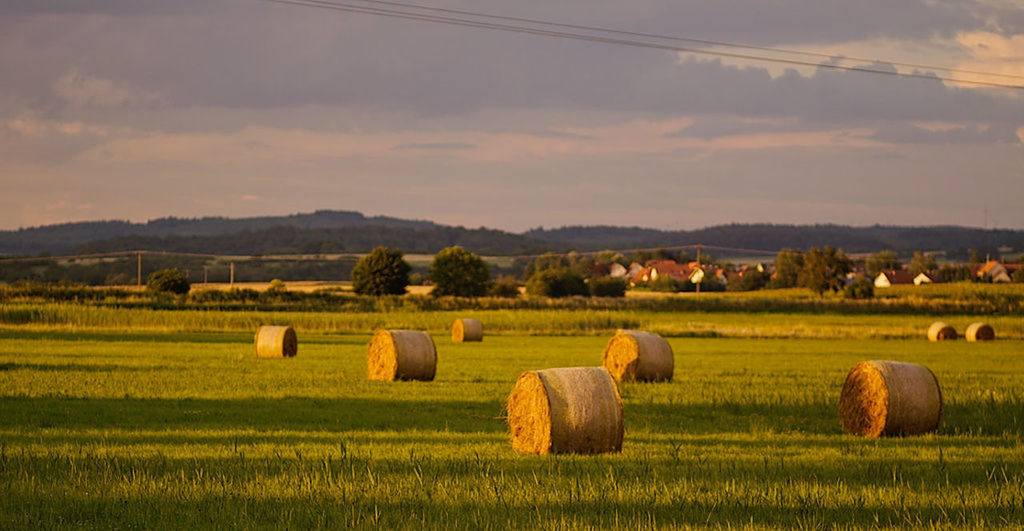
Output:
(140, 109)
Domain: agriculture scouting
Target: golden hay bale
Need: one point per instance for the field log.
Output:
(890, 398)
(401, 355)
(569, 410)
(940, 331)
(276, 342)
(980, 332)
(467, 330)
(642, 356)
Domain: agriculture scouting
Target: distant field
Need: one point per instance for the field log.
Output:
(129, 420)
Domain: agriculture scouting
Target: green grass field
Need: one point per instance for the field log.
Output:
(140, 425)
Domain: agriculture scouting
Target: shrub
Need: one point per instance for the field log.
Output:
(1018, 275)
(860, 288)
(665, 283)
(506, 286)
(456, 271)
(168, 281)
(276, 286)
(608, 287)
(382, 272)
(556, 283)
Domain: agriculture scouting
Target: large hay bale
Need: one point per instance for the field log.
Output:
(980, 332)
(467, 330)
(890, 398)
(568, 410)
(276, 342)
(401, 355)
(642, 356)
(940, 331)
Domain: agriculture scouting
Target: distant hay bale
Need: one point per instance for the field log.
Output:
(980, 332)
(467, 330)
(276, 342)
(568, 410)
(642, 356)
(940, 331)
(890, 398)
(401, 355)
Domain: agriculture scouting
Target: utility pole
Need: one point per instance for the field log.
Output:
(138, 275)
(698, 265)
(205, 268)
(232, 281)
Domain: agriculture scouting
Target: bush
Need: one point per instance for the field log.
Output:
(458, 272)
(860, 288)
(665, 284)
(382, 272)
(1018, 275)
(556, 283)
(506, 286)
(168, 281)
(608, 287)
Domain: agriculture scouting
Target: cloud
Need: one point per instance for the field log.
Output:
(956, 135)
(81, 90)
(434, 146)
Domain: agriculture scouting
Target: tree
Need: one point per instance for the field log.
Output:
(545, 262)
(825, 270)
(556, 283)
(882, 261)
(1018, 275)
(788, 265)
(860, 288)
(975, 258)
(608, 287)
(922, 263)
(168, 281)
(382, 272)
(460, 273)
(506, 286)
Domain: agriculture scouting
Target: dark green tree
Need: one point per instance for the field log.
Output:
(788, 265)
(556, 283)
(608, 287)
(975, 258)
(1018, 275)
(825, 270)
(460, 273)
(545, 262)
(382, 272)
(168, 281)
(860, 288)
(882, 261)
(506, 286)
(922, 263)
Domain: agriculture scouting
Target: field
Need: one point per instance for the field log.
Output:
(127, 418)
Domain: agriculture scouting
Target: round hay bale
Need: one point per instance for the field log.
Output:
(568, 410)
(890, 398)
(467, 330)
(980, 332)
(940, 331)
(642, 356)
(276, 342)
(401, 355)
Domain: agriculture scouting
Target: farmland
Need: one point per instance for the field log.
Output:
(163, 418)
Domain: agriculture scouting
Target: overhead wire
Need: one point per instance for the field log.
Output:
(688, 39)
(443, 19)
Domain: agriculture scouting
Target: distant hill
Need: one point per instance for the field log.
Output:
(64, 238)
(336, 231)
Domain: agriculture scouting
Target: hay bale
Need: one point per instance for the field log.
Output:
(940, 331)
(569, 410)
(276, 342)
(980, 332)
(401, 355)
(467, 330)
(890, 398)
(642, 356)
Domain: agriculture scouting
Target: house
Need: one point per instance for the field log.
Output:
(891, 278)
(617, 271)
(994, 270)
(923, 278)
(669, 268)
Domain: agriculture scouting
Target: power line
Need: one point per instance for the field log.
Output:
(442, 19)
(684, 39)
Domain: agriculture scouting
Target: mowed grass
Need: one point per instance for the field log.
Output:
(128, 429)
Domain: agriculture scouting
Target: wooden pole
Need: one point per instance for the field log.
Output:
(232, 282)
(138, 275)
